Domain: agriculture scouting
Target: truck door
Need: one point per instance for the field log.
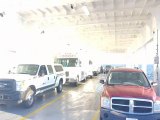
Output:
(51, 76)
(42, 78)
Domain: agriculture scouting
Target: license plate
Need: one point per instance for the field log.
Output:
(131, 119)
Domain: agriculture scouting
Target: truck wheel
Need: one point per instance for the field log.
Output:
(29, 98)
(91, 77)
(84, 80)
(60, 87)
(76, 83)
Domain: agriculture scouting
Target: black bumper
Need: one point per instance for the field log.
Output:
(112, 115)
(10, 98)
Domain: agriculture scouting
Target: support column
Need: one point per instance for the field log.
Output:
(155, 13)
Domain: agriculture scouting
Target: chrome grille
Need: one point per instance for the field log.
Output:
(132, 105)
(7, 85)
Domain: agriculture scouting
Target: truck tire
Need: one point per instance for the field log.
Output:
(60, 86)
(84, 80)
(76, 83)
(29, 98)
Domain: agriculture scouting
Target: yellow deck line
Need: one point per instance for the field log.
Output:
(48, 104)
(96, 115)
(42, 108)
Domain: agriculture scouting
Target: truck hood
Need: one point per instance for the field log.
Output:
(129, 91)
(18, 77)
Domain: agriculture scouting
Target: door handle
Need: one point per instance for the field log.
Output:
(48, 78)
(44, 83)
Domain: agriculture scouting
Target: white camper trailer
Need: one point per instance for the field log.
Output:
(75, 66)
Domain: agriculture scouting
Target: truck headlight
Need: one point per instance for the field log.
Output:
(157, 106)
(105, 102)
(20, 85)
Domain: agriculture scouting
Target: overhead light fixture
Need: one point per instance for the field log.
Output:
(85, 9)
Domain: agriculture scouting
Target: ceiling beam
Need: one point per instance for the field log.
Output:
(86, 23)
(134, 17)
(77, 2)
(112, 31)
(94, 11)
(107, 26)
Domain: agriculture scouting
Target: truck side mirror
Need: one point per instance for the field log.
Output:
(101, 81)
(154, 83)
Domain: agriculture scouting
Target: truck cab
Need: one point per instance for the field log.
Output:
(29, 80)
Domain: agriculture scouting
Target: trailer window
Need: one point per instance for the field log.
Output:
(68, 62)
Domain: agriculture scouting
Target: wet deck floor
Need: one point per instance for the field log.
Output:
(74, 103)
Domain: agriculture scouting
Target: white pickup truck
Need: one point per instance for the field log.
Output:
(30, 80)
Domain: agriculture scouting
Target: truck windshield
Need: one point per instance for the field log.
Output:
(30, 69)
(68, 62)
(128, 78)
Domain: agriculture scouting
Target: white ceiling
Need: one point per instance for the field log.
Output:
(111, 26)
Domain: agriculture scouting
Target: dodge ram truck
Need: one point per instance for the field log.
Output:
(128, 95)
(29, 80)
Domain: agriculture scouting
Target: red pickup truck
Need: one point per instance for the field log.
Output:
(128, 95)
